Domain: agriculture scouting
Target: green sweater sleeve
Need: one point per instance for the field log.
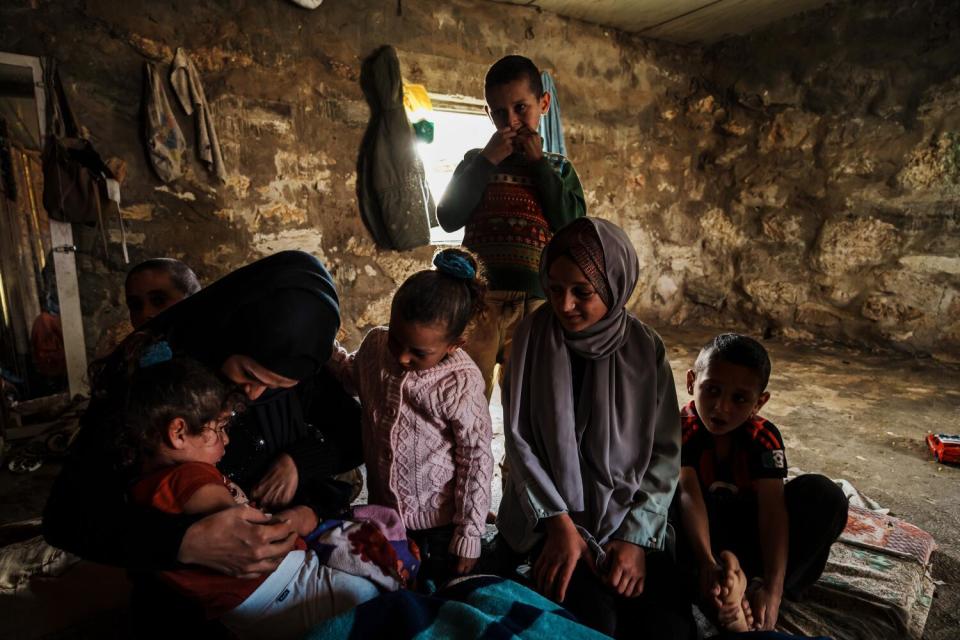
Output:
(561, 194)
(464, 191)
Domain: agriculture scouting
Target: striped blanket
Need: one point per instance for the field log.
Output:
(475, 607)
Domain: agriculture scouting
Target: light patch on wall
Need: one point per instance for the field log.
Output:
(261, 120)
(376, 313)
(932, 264)
(281, 212)
(240, 184)
(309, 240)
(718, 229)
(131, 237)
(142, 212)
(189, 196)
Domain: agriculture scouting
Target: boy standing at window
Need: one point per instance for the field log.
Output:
(511, 197)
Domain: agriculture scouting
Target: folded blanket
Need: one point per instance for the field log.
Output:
(372, 544)
(474, 607)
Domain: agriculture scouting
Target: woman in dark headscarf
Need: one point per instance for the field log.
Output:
(593, 440)
(269, 327)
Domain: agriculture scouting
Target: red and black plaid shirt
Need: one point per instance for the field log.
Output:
(757, 452)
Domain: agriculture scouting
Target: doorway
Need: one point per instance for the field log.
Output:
(39, 295)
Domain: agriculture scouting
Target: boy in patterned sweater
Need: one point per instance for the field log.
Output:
(738, 518)
(511, 197)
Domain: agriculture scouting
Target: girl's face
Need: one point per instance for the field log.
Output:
(577, 304)
(252, 377)
(419, 346)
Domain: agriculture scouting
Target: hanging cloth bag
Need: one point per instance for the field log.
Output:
(75, 177)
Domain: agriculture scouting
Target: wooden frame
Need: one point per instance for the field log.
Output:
(61, 237)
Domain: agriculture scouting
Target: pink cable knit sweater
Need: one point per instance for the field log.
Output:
(426, 438)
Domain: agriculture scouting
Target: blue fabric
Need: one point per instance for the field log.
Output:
(452, 264)
(155, 354)
(551, 128)
(479, 607)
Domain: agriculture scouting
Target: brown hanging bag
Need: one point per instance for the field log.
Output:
(73, 173)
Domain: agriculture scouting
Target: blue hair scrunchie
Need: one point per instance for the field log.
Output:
(455, 265)
(155, 354)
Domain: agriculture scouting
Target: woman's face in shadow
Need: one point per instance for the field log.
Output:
(252, 377)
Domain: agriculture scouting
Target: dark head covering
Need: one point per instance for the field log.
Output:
(282, 311)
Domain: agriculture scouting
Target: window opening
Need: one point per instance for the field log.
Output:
(459, 124)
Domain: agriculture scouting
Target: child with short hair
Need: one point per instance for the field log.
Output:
(511, 197)
(426, 422)
(175, 429)
(733, 502)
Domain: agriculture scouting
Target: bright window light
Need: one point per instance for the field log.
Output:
(454, 133)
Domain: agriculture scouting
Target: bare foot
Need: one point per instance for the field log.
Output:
(734, 608)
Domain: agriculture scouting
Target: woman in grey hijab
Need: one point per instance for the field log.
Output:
(593, 441)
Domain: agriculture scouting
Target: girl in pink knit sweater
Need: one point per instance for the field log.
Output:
(426, 421)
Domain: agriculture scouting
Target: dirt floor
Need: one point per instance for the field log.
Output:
(843, 412)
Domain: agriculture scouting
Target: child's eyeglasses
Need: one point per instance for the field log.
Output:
(222, 429)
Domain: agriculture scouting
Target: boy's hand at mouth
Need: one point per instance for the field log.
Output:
(529, 143)
(500, 146)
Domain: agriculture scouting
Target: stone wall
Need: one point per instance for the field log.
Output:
(802, 181)
(830, 149)
(283, 85)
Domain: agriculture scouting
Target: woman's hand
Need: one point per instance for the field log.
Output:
(278, 486)
(240, 541)
(303, 519)
(626, 567)
(563, 549)
(463, 566)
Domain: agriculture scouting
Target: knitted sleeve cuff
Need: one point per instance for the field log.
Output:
(465, 547)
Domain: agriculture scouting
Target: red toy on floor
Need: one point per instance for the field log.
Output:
(945, 448)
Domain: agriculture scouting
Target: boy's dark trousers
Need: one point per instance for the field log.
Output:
(817, 513)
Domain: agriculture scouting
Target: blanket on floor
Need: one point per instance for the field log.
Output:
(475, 607)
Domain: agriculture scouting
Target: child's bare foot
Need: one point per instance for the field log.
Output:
(734, 608)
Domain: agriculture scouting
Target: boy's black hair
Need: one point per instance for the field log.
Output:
(509, 68)
(736, 349)
(182, 276)
(177, 388)
(430, 297)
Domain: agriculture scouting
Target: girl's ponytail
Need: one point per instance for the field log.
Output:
(465, 267)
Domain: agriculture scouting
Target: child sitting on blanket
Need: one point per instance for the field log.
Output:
(175, 428)
(426, 422)
(733, 502)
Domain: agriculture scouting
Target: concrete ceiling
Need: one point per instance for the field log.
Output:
(684, 21)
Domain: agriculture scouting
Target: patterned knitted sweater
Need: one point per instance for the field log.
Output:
(510, 211)
(426, 438)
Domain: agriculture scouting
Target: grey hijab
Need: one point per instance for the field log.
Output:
(589, 463)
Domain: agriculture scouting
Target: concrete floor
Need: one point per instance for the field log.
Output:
(843, 412)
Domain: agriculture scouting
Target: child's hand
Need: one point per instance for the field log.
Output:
(765, 604)
(530, 144)
(464, 566)
(500, 145)
(302, 519)
(626, 567)
(278, 486)
(563, 549)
